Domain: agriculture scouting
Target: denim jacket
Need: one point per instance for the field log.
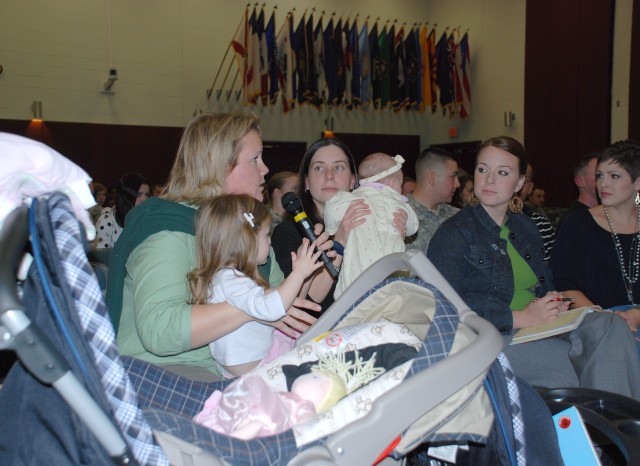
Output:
(468, 251)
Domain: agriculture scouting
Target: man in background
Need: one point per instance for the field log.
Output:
(536, 200)
(436, 183)
(408, 185)
(584, 176)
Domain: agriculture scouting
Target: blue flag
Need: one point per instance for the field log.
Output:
(364, 60)
(301, 60)
(272, 53)
(339, 59)
(374, 59)
(355, 64)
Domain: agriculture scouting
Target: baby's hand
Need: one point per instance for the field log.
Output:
(305, 261)
(400, 218)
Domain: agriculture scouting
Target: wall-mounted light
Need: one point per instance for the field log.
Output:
(108, 84)
(508, 118)
(36, 110)
(328, 132)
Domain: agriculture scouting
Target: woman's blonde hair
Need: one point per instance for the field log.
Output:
(225, 238)
(208, 151)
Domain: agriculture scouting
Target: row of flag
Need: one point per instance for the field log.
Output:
(342, 65)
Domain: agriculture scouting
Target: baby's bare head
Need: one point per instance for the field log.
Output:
(377, 163)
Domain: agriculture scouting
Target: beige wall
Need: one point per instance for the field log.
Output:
(621, 70)
(167, 53)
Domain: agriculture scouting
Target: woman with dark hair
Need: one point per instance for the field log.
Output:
(326, 168)
(614, 225)
(132, 190)
(463, 193)
(492, 255)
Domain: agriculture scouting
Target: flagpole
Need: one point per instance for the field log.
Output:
(213, 85)
(233, 84)
(225, 77)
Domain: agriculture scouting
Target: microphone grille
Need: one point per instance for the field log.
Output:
(291, 202)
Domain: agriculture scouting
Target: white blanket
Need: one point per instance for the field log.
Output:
(29, 168)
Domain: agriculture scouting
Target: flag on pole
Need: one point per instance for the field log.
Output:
(285, 63)
(318, 63)
(463, 64)
(309, 90)
(393, 67)
(433, 65)
(402, 95)
(348, 70)
(444, 74)
(451, 51)
(301, 60)
(264, 59)
(339, 60)
(239, 44)
(425, 65)
(272, 53)
(364, 58)
(410, 71)
(292, 64)
(382, 68)
(329, 64)
(355, 64)
(374, 53)
(253, 60)
(418, 55)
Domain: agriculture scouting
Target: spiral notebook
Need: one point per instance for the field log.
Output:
(565, 322)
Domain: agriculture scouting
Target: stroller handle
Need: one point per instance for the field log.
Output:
(13, 238)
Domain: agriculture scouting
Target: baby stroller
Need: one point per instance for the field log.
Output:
(122, 407)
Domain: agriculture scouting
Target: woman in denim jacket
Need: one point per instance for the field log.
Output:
(492, 255)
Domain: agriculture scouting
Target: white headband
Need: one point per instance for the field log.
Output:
(399, 160)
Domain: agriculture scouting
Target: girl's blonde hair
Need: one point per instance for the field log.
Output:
(208, 151)
(225, 238)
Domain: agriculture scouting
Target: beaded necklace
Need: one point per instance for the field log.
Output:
(632, 276)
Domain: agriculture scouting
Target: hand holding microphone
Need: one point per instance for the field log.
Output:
(292, 204)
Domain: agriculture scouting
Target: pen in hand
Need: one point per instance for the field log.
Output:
(559, 300)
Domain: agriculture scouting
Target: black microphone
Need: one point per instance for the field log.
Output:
(292, 204)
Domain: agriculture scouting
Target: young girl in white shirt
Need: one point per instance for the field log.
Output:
(232, 240)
